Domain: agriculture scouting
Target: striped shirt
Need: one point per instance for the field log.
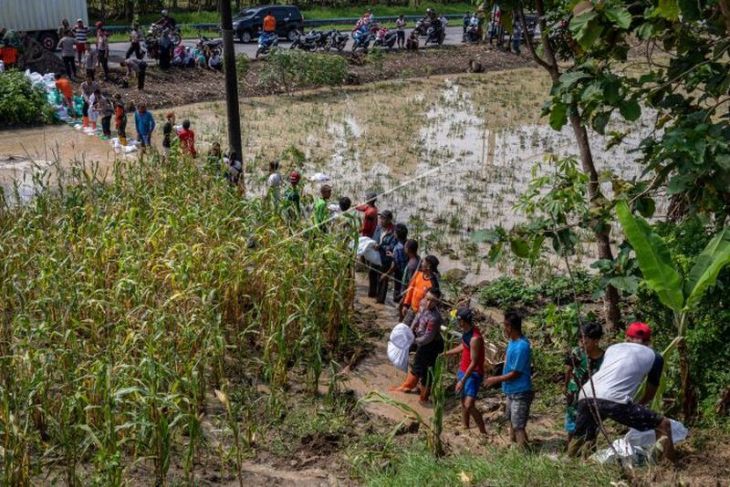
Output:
(81, 34)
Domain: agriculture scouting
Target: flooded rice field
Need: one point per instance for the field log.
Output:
(448, 154)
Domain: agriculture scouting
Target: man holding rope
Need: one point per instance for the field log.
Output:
(610, 392)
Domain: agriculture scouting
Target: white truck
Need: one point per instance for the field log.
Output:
(41, 18)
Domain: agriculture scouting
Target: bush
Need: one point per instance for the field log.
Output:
(287, 68)
(20, 103)
(507, 292)
(561, 288)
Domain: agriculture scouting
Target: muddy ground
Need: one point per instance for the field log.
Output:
(179, 86)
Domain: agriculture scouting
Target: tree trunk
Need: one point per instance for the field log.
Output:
(596, 199)
(687, 394)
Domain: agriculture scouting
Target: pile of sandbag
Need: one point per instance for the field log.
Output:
(47, 82)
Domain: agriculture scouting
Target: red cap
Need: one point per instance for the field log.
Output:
(639, 330)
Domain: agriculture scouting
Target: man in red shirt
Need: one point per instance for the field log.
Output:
(471, 369)
(370, 222)
(187, 139)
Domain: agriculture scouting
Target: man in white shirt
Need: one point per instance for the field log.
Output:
(610, 392)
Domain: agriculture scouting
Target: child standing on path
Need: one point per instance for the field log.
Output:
(92, 59)
(106, 110)
(400, 24)
(120, 119)
(167, 134)
(144, 122)
(187, 139)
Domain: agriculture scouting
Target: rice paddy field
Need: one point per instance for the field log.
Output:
(160, 329)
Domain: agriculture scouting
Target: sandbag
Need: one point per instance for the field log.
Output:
(366, 248)
(635, 446)
(399, 343)
(648, 438)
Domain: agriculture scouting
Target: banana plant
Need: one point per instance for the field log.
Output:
(676, 290)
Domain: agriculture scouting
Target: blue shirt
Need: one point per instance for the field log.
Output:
(399, 255)
(518, 358)
(144, 123)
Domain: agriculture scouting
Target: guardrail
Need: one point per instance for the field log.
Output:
(307, 23)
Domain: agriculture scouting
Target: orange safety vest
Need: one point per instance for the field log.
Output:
(269, 23)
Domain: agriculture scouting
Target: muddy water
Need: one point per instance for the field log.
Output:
(448, 155)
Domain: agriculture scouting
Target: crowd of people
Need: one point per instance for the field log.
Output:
(598, 384)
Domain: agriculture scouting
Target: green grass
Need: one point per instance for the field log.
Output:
(414, 466)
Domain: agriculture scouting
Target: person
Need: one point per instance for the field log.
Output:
(269, 23)
(399, 261)
(350, 225)
(292, 196)
(471, 368)
(91, 60)
(400, 24)
(235, 168)
(581, 363)
(138, 67)
(144, 122)
(81, 33)
(165, 51)
(216, 61)
(120, 119)
(466, 20)
(63, 85)
(413, 263)
(610, 393)
(426, 328)
(102, 48)
(363, 23)
(321, 212)
(105, 108)
(167, 129)
(63, 28)
(166, 21)
(386, 239)
(135, 47)
(88, 87)
(67, 45)
(516, 37)
(516, 379)
(187, 139)
(425, 279)
(8, 54)
(274, 182)
(93, 112)
(215, 156)
(370, 221)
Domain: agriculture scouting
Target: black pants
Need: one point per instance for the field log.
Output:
(401, 37)
(69, 63)
(90, 73)
(85, 109)
(382, 289)
(141, 75)
(373, 280)
(425, 359)
(397, 286)
(106, 125)
(104, 61)
(134, 48)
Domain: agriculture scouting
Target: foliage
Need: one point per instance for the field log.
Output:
(562, 289)
(415, 465)
(508, 292)
(124, 304)
(289, 68)
(243, 64)
(20, 103)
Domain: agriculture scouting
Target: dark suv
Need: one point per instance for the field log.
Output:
(249, 22)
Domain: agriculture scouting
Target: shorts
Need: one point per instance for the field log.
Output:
(471, 384)
(517, 410)
(570, 415)
(425, 359)
(630, 414)
(80, 47)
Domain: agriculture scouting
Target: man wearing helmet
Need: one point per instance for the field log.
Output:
(166, 22)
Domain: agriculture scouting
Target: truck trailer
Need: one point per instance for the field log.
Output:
(41, 18)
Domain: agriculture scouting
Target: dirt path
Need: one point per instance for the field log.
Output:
(375, 372)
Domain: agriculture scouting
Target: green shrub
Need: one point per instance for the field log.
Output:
(562, 288)
(507, 292)
(287, 68)
(20, 103)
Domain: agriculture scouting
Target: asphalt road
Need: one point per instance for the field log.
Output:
(119, 49)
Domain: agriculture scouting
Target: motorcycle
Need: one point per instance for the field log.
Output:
(336, 39)
(472, 34)
(211, 44)
(435, 34)
(310, 42)
(385, 38)
(155, 33)
(267, 41)
(361, 39)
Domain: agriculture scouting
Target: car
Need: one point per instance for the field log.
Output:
(248, 23)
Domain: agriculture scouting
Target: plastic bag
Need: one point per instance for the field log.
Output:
(401, 339)
(319, 178)
(648, 438)
(635, 446)
(366, 248)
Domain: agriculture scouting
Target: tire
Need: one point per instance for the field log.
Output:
(48, 40)
(258, 51)
(245, 37)
(175, 38)
(292, 35)
(442, 37)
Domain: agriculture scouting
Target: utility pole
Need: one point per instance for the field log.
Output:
(229, 58)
